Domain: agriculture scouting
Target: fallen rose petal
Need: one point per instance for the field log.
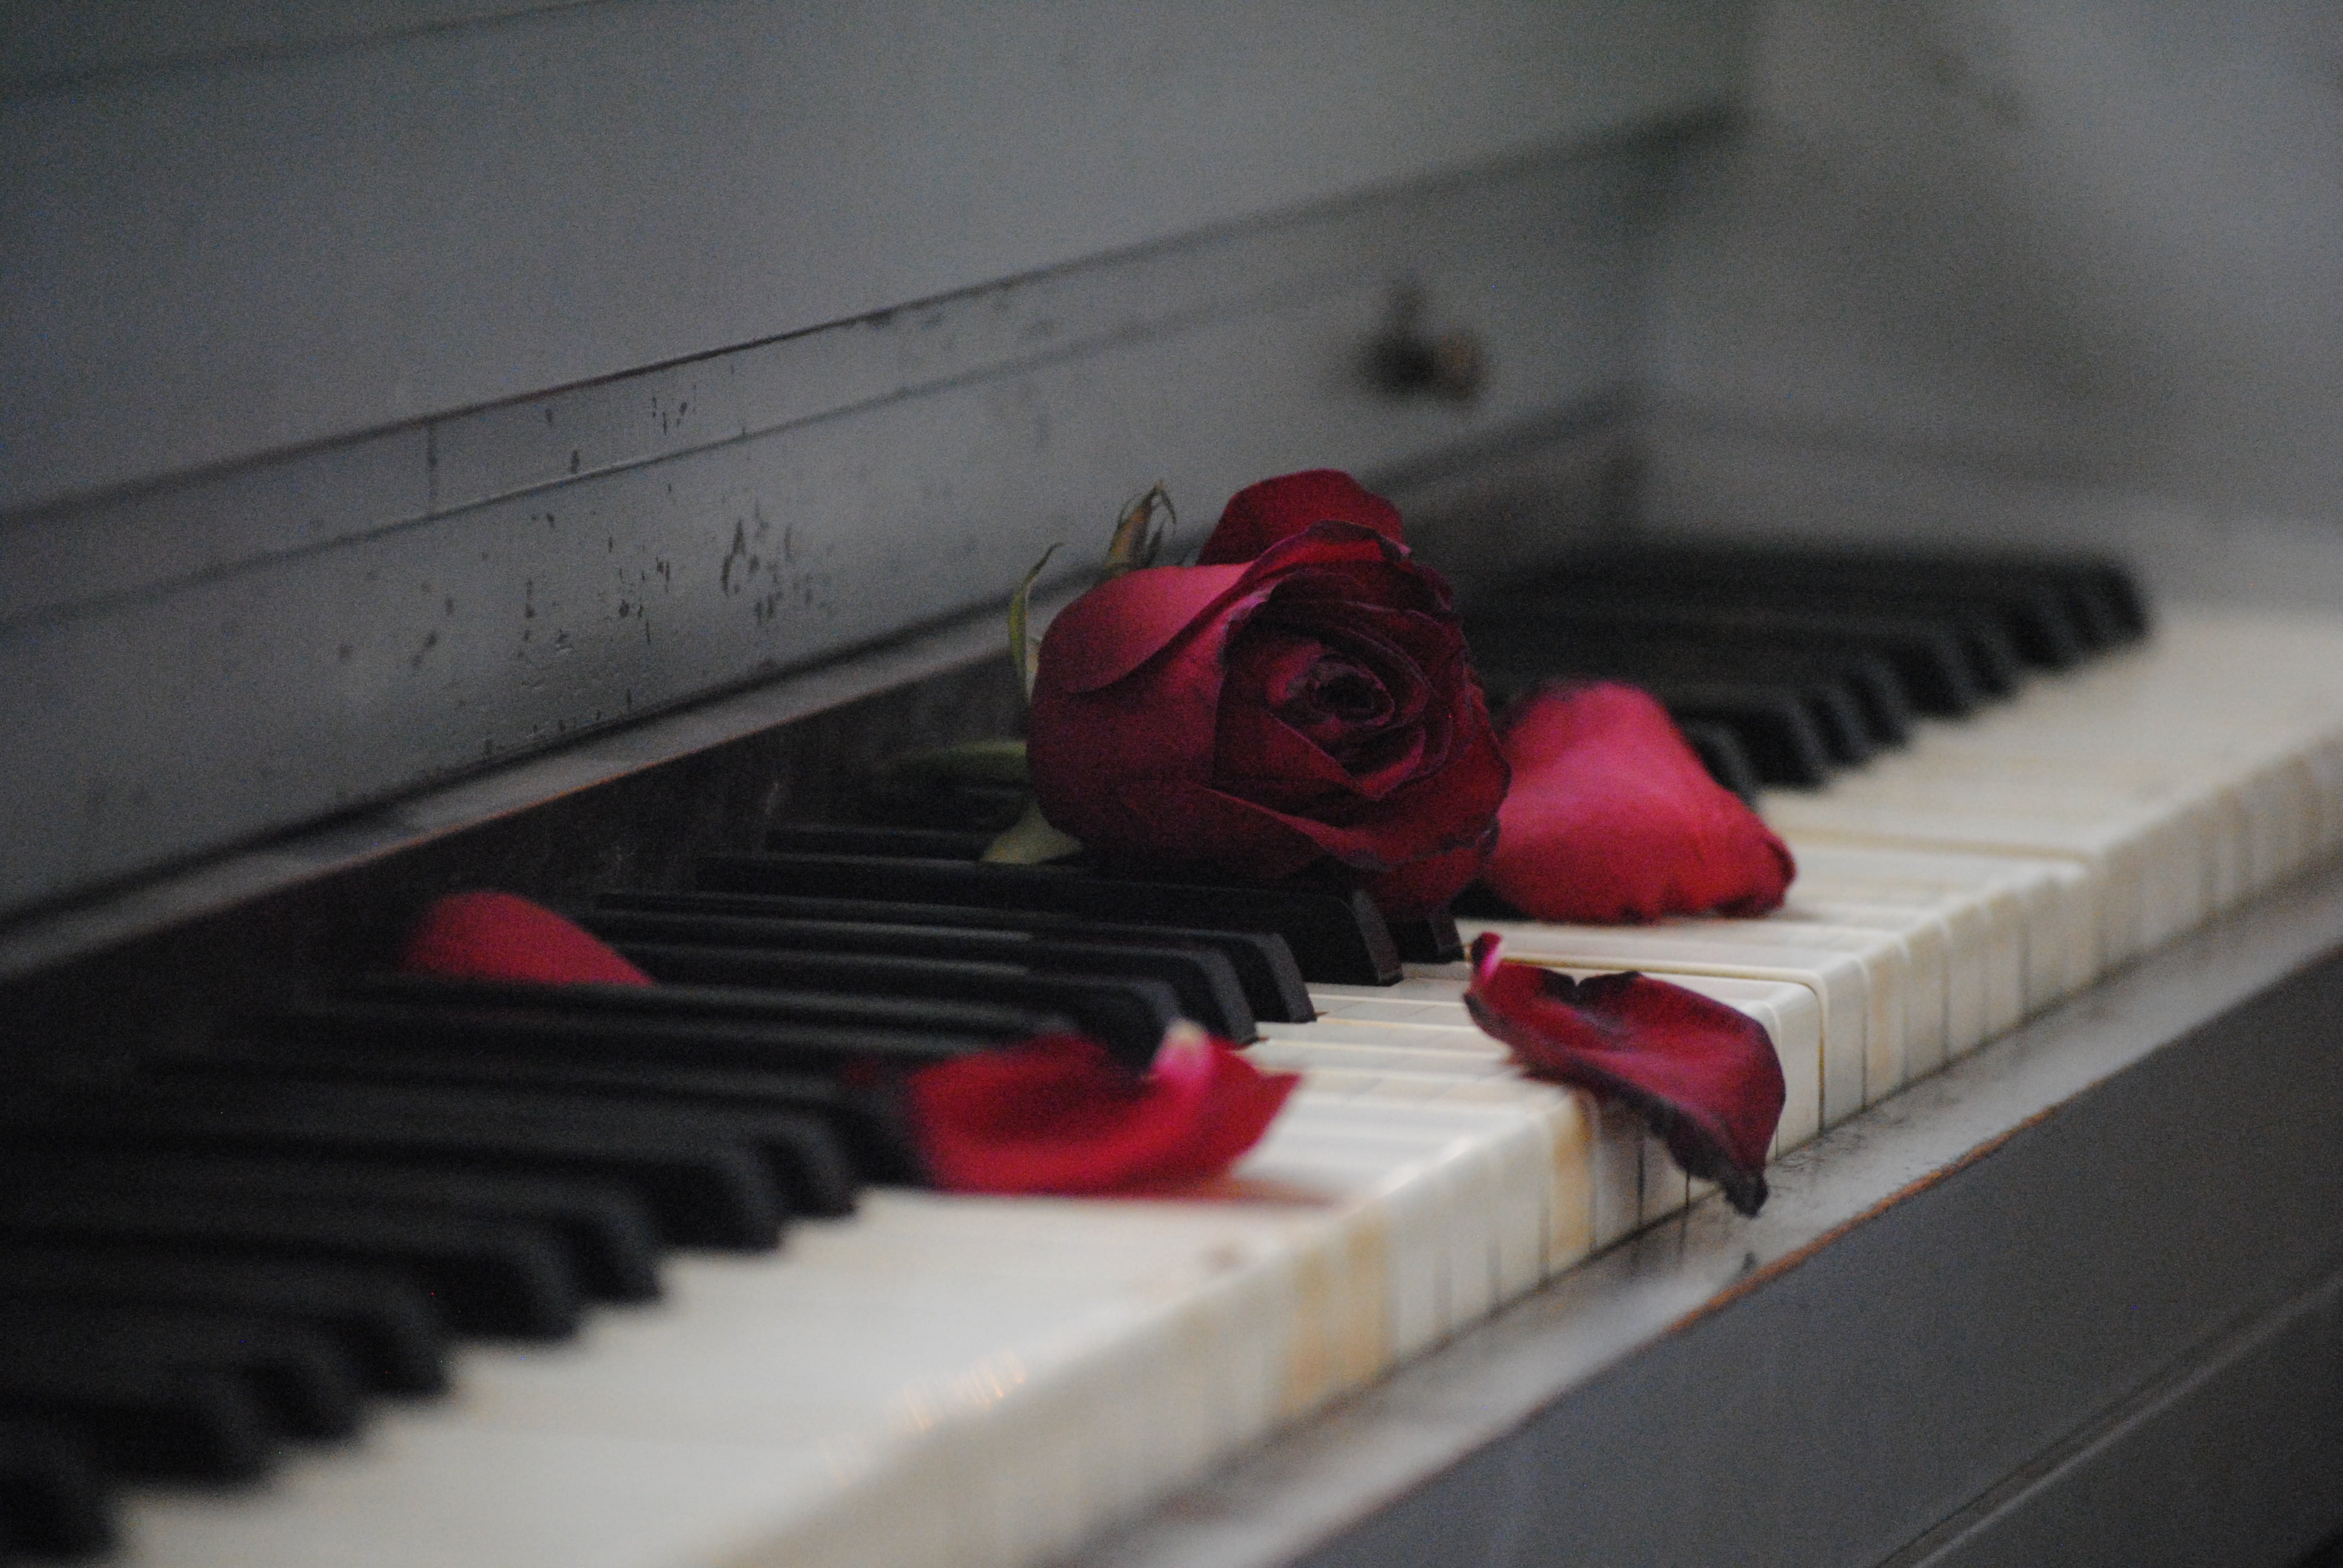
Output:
(1259, 515)
(1703, 1077)
(1057, 1115)
(492, 936)
(1611, 817)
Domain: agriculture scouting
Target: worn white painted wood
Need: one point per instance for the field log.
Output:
(275, 247)
(195, 668)
(195, 678)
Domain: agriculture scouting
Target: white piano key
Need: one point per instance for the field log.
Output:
(1618, 1174)
(425, 1489)
(2039, 921)
(2235, 819)
(1940, 951)
(1892, 973)
(1663, 1182)
(2111, 854)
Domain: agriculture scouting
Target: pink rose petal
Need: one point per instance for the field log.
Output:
(1055, 1115)
(493, 936)
(1612, 818)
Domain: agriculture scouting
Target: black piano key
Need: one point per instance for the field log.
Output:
(869, 1120)
(1932, 660)
(172, 1422)
(1776, 725)
(610, 1238)
(616, 1060)
(785, 1025)
(1205, 982)
(2034, 613)
(1795, 730)
(850, 838)
(2117, 592)
(1428, 939)
(1720, 751)
(808, 1170)
(1423, 942)
(703, 1192)
(2098, 598)
(380, 1316)
(56, 1497)
(1883, 706)
(1832, 713)
(489, 1276)
(1338, 938)
(1879, 694)
(307, 1386)
(1128, 1016)
(1984, 639)
(806, 1068)
(1264, 962)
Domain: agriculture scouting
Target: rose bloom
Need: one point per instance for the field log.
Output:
(1298, 702)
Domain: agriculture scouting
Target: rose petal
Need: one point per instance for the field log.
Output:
(1260, 757)
(1211, 827)
(1259, 515)
(1193, 825)
(1703, 1077)
(1055, 1115)
(1612, 818)
(1083, 747)
(493, 936)
(1429, 886)
(1121, 624)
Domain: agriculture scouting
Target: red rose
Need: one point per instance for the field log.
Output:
(1308, 707)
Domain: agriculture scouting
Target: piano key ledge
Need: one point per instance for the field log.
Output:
(1467, 1437)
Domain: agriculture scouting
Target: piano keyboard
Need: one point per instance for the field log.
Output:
(942, 1379)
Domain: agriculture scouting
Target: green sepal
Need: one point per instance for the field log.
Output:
(1021, 636)
(1030, 840)
(1135, 542)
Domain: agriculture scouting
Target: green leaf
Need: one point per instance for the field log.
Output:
(1032, 840)
(1021, 638)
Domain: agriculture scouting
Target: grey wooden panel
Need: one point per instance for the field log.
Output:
(1539, 258)
(276, 249)
(181, 690)
(2236, 1459)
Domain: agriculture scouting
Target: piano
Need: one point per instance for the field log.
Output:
(552, 446)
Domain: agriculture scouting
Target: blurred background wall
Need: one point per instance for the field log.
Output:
(2019, 267)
